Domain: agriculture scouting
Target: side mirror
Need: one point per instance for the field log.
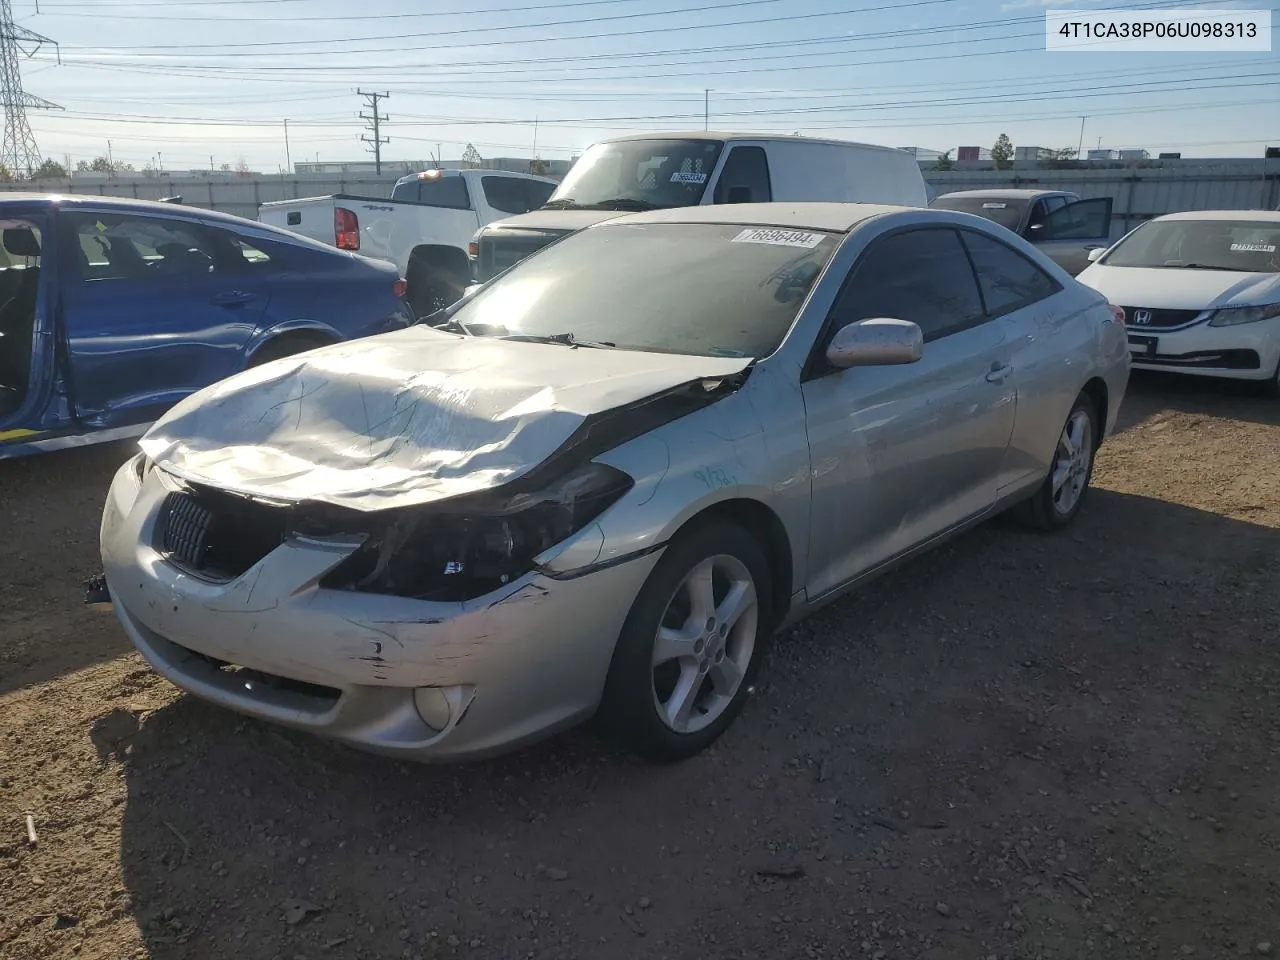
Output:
(1096, 254)
(876, 342)
(738, 195)
(1035, 231)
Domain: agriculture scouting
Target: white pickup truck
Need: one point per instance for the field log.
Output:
(424, 227)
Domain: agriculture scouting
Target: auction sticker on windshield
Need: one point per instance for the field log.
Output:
(781, 238)
(1253, 248)
(688, 177)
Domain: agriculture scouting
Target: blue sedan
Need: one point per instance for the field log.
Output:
(111, 311)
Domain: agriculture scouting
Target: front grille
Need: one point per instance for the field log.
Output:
(185, 526)
(217, 535)
(504, 249)
(1142, 318)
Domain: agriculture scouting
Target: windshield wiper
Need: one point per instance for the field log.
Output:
(1208, 266)
(623, 203)
(568, 203)
(565, 339)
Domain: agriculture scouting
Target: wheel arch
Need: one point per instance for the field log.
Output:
(311, 332)
(1097, 392)
(762, 523)
(438, 254)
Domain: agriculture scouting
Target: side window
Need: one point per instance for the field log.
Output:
(538, 192)
(919, 275)
(249, 253)
(1055, 202)
(114, 247)
(507, 194)
(745, 167)
(1008, 280)
(447, 192)
(1080, 220)
(1039, 212)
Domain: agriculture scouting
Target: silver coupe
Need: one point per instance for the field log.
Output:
(600, 484)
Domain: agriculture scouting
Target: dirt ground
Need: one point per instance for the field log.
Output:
(1018, 747)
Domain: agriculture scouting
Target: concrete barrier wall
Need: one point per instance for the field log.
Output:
(1139, 193)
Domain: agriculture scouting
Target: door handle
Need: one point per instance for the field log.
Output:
(999, 372)
(232, 298)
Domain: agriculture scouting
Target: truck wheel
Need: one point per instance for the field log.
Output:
(433, 287)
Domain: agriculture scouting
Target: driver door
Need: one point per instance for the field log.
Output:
(904, 453)
(153, 309)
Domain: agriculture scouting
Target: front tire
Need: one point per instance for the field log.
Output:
(1061, 495)
(691, 646)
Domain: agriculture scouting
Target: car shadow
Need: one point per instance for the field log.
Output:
(1150, 393)
(931, 692)
(52, 508)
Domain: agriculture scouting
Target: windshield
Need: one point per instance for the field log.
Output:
(1246, 246)
(639, 174)
(715, 290)
(1007, 213)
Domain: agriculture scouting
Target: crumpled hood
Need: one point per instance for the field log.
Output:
(1174, 289)
(404, 418)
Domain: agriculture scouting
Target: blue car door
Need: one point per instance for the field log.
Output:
(152, 308)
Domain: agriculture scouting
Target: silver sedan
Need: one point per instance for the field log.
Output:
(600, 484)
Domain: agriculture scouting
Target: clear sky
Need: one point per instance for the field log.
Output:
(193, 80)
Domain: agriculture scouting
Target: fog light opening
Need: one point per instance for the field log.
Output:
(433, 707)
(439, 707)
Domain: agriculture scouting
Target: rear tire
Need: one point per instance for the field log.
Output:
(433, 287)
(691, 646)
(1058, 500)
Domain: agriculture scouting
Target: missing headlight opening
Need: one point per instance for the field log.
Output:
(467, 546)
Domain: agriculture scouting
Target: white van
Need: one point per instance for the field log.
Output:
(653, 171)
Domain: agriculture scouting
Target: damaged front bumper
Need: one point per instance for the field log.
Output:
(414, 678)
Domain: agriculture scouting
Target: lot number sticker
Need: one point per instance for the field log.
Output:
(779, 238)
(1253, 248)
(688, 178)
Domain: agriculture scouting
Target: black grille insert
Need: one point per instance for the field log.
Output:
(218, 535)
(1145, 318)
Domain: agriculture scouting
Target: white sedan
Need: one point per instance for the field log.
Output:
(1200, 293)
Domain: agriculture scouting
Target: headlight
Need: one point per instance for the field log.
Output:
(467, 546)
(1233, 316)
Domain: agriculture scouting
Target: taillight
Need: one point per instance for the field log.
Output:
(346, 229)
(1117, 313)
(473, 250)
(400, 288)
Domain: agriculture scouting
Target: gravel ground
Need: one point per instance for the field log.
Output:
(1019, 746)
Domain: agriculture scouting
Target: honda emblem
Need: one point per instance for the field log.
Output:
(1142, 317)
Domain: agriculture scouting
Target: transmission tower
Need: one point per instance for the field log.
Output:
(18, 152)
(374, 121)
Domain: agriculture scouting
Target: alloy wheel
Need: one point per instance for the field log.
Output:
(1072, 461)
(704, 643)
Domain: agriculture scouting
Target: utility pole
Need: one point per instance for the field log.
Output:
(1080, 145)
(288, 160)
(18, 150)
(706, 108)
(373, 121)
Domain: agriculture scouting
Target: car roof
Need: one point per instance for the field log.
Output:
(123, 204)
(834, 217)
(994, 194)
(740, 135)
(1259, 216)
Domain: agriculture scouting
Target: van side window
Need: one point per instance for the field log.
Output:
(745, 167)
